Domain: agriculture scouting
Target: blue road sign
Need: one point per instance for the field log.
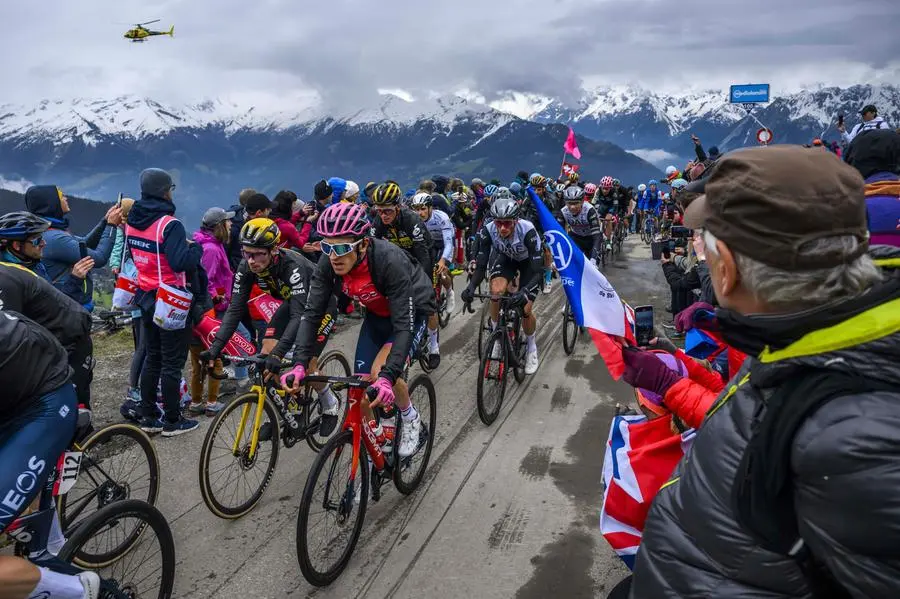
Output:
(749, 94)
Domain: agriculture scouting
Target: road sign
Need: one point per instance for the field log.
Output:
(757, 93)
(764, 136)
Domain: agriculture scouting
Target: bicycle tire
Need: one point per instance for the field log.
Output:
(152, 519)
(488, 416)
(209, 498)
(569, 337)
(312, 439)
(108, 490)
(320, 579)
(482, 327)
(408, 487)
(443, 313)
(517, 347)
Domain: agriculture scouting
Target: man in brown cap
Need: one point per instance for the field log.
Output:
(791, 487)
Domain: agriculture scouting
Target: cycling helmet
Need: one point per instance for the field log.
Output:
(573, 177)
(642, 187)
(537, 180)
(679, 184)
(421, 199)
(490, 190)
(573, 193)
(606, 182)
(343, 220)
(386, 194)
(503, 193)
(560, 187)
(261, 233)
(477, 181)
(21, 225)
(459, 197)
(515, 187)
(652, 182)
(616, 182)
(590, 189)
(505, 208)
(670, 170)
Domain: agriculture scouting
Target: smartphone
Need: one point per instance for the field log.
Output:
(643, 325)
(119, 201)
(840, 120)
(82, 249)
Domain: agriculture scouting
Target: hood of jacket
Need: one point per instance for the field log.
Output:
(204, 238)
(44, 201)
(147, 210)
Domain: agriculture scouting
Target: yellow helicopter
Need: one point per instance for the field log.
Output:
(141, 33)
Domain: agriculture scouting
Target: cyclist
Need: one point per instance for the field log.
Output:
(510, 245)
(24, 287)
(37, 422)
(590, 189)
(582, 222)
(623, 200)
(398, 298)
(638, 199)
(529, 213)
(607, 205)
(401, 226)
(441, 229)
(285, 275)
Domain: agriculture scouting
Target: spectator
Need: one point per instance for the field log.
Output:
(683, 277)
(870, 121)
(786, 237)
(351, 193)
(876, 155)
(367, 193)
(282, 212)
(162, 254)
(323, 195)
(240, 217)
(64, 250)
(338, 186)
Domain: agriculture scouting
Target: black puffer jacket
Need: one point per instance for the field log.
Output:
(844, 462)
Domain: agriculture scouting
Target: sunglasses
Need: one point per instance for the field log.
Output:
(338, 249)
(505, 223)
(254, 256)
(37, 241)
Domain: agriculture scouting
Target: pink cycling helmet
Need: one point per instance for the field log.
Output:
(590, 189)
(606, 182)
(343, 220)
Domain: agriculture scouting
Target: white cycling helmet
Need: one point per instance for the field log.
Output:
(671, 170)
(642, 187)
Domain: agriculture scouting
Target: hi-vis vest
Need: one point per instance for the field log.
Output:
(152, 265)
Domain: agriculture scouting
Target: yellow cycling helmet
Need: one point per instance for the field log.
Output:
(260, 233)
(386, 194)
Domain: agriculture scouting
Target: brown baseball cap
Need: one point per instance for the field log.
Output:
(767, 202)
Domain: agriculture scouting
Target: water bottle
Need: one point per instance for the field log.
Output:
(378, 431)
(390, 427)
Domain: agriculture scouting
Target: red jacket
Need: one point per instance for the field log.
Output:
(291, 238)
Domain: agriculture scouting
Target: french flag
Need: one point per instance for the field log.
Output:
(595, 304)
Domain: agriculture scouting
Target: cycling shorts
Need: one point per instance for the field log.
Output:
(585, 244)
(437, 250)
(30, 445)
(501, 265)
(375, 333)
(282, 318)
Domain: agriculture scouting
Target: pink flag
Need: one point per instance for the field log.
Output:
(571, 146)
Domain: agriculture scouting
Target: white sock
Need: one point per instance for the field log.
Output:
(409, 414)
(493, 323)
(433, 340)
(58, 586)
(56, 539)
(327, 399)
(531, 343)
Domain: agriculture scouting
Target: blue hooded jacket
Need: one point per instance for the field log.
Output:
(338, 185)
(62, 248)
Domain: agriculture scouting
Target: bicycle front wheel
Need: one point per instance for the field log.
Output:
(332, 501)
(147, 568)
(227, 450)
(409, 472)
(492, 377)
(570, 330)
(333, 363)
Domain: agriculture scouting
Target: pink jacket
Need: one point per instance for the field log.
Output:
(215, 262)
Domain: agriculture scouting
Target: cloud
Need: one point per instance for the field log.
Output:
(656, 157)
(17, 185)
(346, 50)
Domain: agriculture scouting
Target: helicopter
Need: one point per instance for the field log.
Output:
(141, 33)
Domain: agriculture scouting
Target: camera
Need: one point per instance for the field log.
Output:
(679, 232)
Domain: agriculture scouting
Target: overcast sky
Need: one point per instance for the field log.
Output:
(277, 50)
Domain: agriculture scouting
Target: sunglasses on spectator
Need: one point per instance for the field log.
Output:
(338, 249)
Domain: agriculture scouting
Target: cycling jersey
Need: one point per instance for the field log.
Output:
(623, 199)
(522, 250)
(605, 204)
(530, 212)
(385, 278)
(584, 228)
(442, 236)
(287, 278)
(407, 232)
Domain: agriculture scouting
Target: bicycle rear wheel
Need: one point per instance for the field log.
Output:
(335, 497)
(218, 454)
(136, 572)
(333, 363)
(408, 474)
(118, 462)
(443, 312)
(570, 330)
(489, 396)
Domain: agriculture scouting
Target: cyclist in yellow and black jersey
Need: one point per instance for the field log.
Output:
(401, 226)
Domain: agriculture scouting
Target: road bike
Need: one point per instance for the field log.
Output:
(138, 562)
(509, 339)
(570, 329)
(245, 437)
(107, 322)
(440, 298)
(341, 493)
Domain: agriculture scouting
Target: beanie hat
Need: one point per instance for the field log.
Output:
(156, 182)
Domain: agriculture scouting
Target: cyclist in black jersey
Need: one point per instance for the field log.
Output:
(582, 222)
(401, 226)
(508, 246)
(285, 275)
(529, 212)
